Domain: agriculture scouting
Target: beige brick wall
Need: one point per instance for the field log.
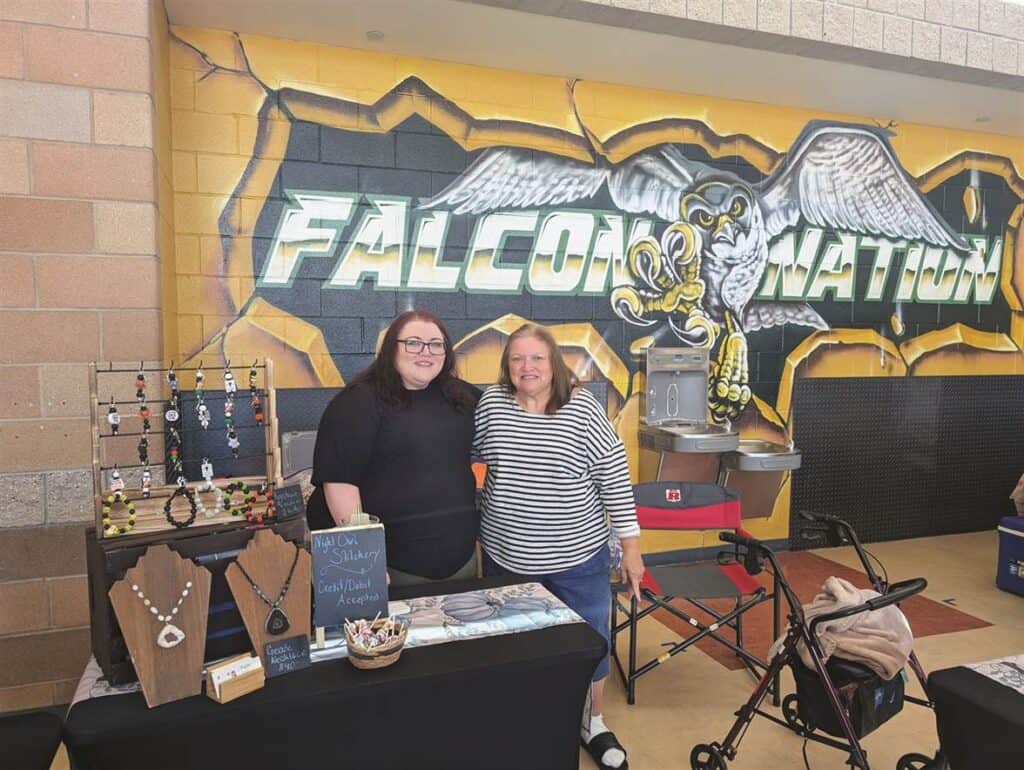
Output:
(951, 39)
(82, 228)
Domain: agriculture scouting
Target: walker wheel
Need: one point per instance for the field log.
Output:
(921, 762)
(792, 716)
(707, 757)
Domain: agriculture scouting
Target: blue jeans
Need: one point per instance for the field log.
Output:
(585, 589)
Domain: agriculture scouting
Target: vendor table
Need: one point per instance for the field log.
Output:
(510, 701)
(980, 722)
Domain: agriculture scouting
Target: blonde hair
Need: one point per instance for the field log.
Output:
(562, 378)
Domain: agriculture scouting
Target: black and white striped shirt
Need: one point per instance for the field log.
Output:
(550, 479)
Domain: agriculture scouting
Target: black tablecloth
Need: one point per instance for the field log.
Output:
(980, 722)
(511, 701)
(29, 741)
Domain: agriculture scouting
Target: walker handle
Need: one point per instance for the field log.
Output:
(737, 539)
(897, 593)
(821, 518)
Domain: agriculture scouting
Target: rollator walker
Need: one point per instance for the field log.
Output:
(836, 703)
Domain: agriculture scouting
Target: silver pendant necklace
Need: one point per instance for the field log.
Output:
(170, 635)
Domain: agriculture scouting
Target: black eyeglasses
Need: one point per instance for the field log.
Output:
(415, 345)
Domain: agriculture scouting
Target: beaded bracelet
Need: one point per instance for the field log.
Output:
(182, 490)
(109, 528)
(246, 508)
(218, 500)
(267, 492)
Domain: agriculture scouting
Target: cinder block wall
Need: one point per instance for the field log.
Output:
(80, 227)
(969, 40)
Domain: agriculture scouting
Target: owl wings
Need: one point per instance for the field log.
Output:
(838, 175)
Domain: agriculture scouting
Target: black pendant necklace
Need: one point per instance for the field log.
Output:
(277, 622)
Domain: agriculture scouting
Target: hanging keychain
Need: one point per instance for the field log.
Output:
(208, 486)
(140, 394)
(140, 384)
(202, 411)
(257, 408)
(174, 455)
(113, 418)
(117, 483)
(230, 388)
(172, 414)
(147, 480)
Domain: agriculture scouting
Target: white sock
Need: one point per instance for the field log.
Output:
(612, 757)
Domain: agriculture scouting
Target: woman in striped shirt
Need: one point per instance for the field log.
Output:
(555, 467)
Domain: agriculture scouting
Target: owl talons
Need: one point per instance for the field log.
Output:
(630, 305)
(729, 381)
(697, 322)
(666, 274)
(681, 244)
(646, 263)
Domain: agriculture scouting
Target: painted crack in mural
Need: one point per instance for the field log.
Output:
(686, 236)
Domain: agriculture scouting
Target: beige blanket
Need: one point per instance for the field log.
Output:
(1017, 495)
(881, 640)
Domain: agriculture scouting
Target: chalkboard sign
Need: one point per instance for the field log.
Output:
(349, 574)
(287, 655)
(289, 503)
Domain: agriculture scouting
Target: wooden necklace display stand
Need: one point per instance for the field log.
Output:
(174, 669)
(267, 559)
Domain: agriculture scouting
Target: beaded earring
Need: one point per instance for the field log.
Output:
(113, 418)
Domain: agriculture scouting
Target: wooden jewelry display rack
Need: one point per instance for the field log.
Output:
(150, 517)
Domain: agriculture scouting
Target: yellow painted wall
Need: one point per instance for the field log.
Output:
(220, 83)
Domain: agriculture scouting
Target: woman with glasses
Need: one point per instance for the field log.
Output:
(556, 478)
(396, 443)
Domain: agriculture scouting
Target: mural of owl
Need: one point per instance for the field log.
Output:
(701, 275)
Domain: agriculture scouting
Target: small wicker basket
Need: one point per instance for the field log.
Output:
(376, 657)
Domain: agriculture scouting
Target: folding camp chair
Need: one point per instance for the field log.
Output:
(690, 506)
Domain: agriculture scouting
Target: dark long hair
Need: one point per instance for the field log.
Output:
(562, 378)
(382, 376)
